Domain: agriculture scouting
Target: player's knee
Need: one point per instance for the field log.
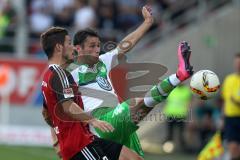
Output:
(127, 154)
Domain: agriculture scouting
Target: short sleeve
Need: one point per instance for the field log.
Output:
(110, 59)
(61, 86)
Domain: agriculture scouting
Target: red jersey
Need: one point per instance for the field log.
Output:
(58, 86)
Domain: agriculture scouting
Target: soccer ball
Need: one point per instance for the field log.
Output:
(204, 84)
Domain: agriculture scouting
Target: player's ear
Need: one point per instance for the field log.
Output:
(58, 47)
(78, 49)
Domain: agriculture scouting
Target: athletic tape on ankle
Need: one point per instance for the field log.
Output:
(150, 102)
(174, 80)
(153, 97)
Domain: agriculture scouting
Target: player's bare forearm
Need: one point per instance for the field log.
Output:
(75, 112)
(132, 39)
(47, 117)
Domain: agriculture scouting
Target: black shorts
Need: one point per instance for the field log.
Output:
(232, 129)
(99, 149)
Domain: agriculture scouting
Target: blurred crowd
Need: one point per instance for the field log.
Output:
(102, 14)
(113, 18)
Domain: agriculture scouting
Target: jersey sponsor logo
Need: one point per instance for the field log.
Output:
(68, 93)
(103, 83)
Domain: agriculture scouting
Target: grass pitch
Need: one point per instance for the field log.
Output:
(43, 153)
(26, 153)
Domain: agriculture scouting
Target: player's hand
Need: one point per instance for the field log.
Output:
(147, 14)
(102, 125)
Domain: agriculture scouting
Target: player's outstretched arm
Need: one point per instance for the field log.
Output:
(72, 110)
(132, 39)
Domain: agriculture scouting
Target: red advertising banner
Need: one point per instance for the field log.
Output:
(19, 79)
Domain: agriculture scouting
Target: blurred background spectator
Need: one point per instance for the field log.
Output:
(176, 111)
(207, 118)
(85, 15)
(231, 96)
(7, 18)
(8, 22)
(40, 17)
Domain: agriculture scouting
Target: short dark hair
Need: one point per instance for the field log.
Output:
(52, 37)
(80, 37)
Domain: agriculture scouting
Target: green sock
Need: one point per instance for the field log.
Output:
(159, 92)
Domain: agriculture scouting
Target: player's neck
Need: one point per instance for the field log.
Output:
(58, 61)
(90, 65)
(86, 62)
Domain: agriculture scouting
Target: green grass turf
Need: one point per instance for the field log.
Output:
(43, 153)
(26, 153)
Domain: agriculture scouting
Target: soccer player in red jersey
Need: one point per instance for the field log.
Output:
(63, 106)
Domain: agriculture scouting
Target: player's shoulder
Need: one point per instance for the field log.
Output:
(58, 71)
(112, 52)
(59, 74)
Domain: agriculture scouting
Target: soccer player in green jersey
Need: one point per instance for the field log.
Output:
(93, 73)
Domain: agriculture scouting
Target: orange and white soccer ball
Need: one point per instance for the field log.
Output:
(205, 84)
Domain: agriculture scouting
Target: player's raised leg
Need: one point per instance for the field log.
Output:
(140, 107)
